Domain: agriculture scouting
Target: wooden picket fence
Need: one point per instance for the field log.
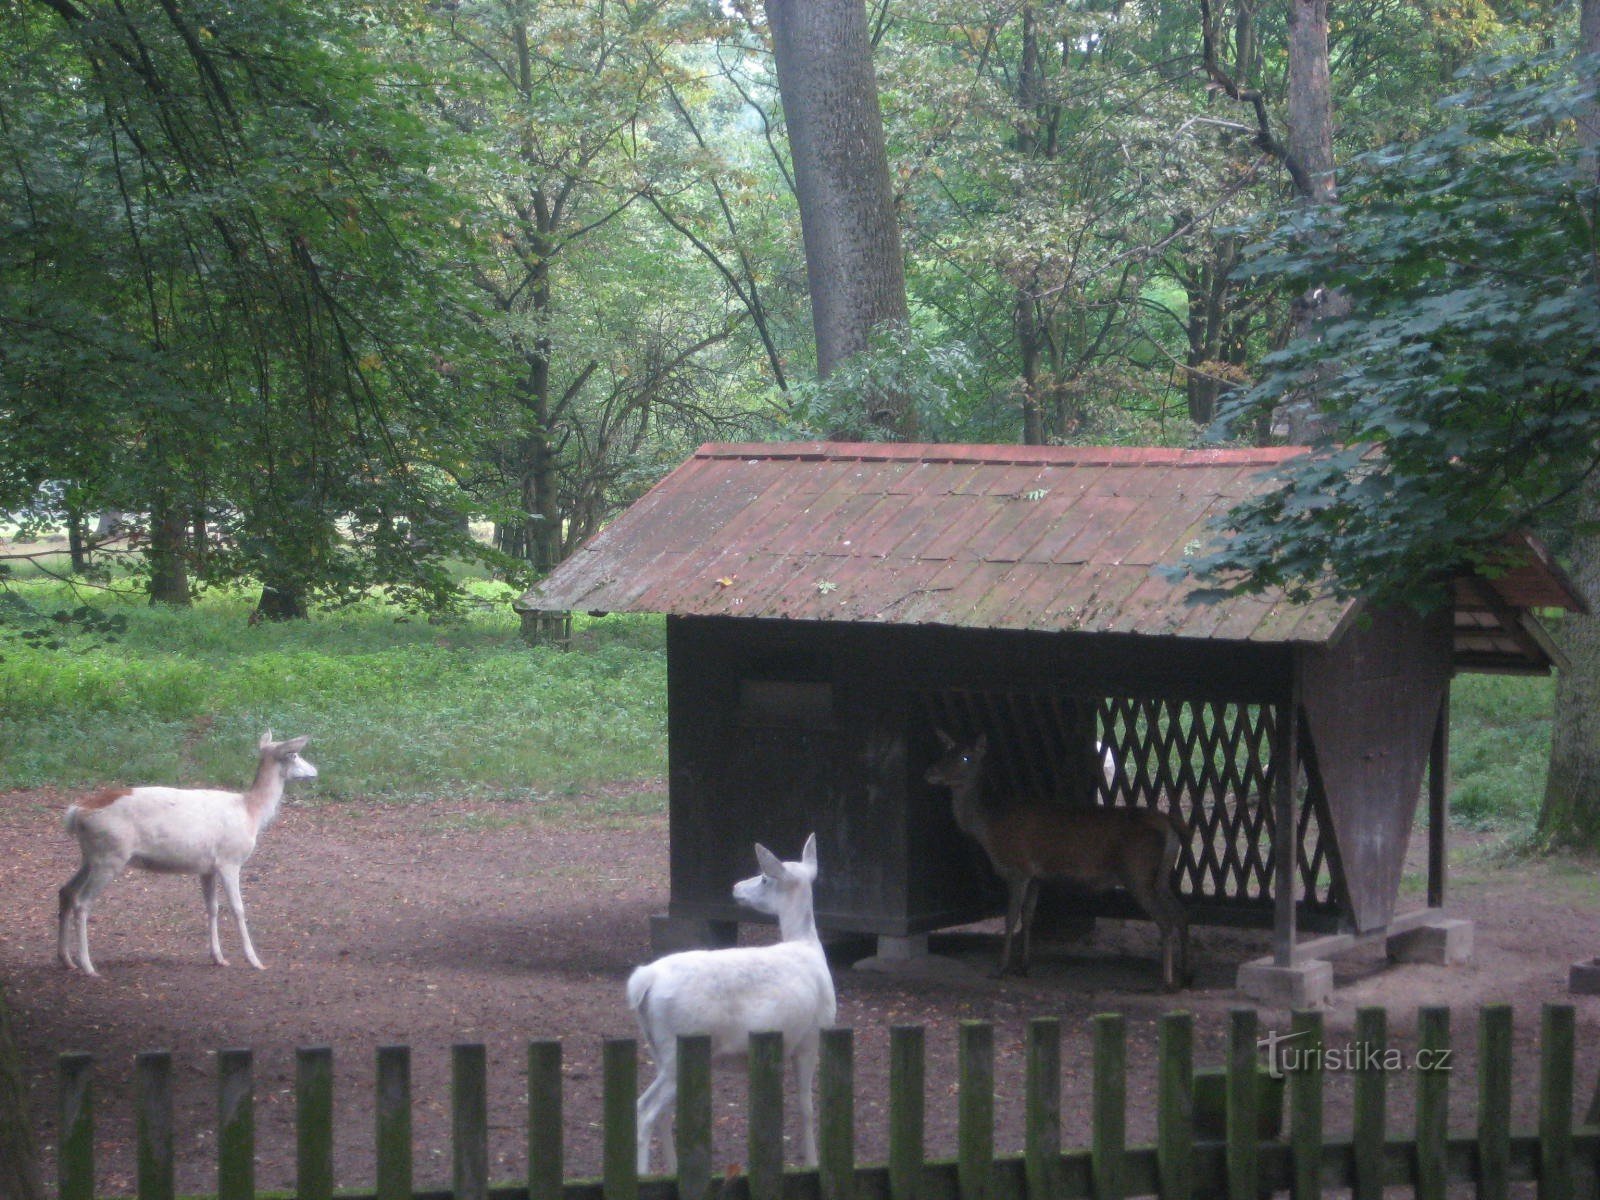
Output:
(1242, 1158)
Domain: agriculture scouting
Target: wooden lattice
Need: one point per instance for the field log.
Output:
(1210, 763)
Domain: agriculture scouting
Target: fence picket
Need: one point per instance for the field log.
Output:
(1305, 1103)
(469, 1121)
(907, 1111)
(694, 1117)
(152, 1097)
(313, 1088)
(392, 1123)
(1556, 1086)
(838, 1115)
(1370, 1095)
(619, 1174)
(1494, 1102)
(764, 1156)
(75, 1129)
(1042, 1111)
(236, 1127)
(546, 1158)
(1175, 1106)
(1433, 1101)
(1109, 1135)
(1243, 1104)
(975, 1113)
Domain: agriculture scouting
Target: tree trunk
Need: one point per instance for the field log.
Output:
(841, 170)
(1570, 812)
(281, 602)
(19, 1159)
(77, 548)
(168, 552)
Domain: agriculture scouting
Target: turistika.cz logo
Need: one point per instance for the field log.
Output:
(1283, 1056)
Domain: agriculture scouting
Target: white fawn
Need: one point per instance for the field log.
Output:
(1098, 846)
(730, 994)
(182, 831)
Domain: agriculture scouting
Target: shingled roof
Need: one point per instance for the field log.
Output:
(1041, 538)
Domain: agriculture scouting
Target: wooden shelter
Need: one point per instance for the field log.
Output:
(830, 606)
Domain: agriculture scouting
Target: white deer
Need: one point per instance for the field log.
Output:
(184, 831)
(730, 994)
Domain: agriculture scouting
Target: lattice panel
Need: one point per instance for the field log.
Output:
(1210, 763)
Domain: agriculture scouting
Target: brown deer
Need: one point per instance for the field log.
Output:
(1098, 846)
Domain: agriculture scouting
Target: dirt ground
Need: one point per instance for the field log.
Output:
(445, 922)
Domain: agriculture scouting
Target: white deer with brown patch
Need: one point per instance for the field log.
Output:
(182, 831)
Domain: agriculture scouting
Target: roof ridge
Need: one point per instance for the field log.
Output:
(997, 454)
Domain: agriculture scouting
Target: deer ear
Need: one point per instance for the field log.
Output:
(949, 742)
(981, 746)
(808, 855)
(771, 864)
(266, 740)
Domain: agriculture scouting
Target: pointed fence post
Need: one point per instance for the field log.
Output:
(907, 1111)
(1042, 1135)
(392, 1123)
(75, 1134)
(236, 1127)
(1368, 1116)
(694, 1117)
(1243, 1105)
(1557, 1045)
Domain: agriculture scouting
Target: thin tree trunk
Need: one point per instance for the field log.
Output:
(1570, 812)
(841, 168)
(168, 552)
(77, 548)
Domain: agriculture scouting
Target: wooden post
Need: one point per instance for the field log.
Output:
(1109, 1134)
(75, 1144)
(619, 1175)
(1494, 1102)
(764, 1156)
(1243, 1105)
(1042, 1135)
(1369, 1119)
(1433, 1102)
(236, 1127)
(392, 1123)
(693, 1126)
(1305, 1104)
(1557, 1046)
(469, 1121)
(152, 1097)
(1175, 1106)
(546, 1161)
(1286, 826)
(313, 1088)
(975, 1114)
(907, 1111)
(1439, 803)
(837, 1115)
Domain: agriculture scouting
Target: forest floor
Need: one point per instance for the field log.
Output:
(435, 923)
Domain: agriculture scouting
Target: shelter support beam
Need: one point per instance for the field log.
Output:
(1439, 804)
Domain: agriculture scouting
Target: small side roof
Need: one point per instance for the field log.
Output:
(1040, 538)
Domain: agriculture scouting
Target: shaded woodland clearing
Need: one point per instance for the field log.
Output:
(454, 921)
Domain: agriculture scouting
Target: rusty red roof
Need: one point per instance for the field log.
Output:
(1052, 538)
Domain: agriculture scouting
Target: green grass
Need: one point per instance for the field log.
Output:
(400, 708)
(396, 707)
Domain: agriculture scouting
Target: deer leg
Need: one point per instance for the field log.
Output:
(68, 913)
(805, 1075)
(208, 891)
(230, 885)
(99, 875)
(1030, 901)
(1016, 891)
(656, 1099)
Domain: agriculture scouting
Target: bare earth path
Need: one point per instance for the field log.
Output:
(449, 922)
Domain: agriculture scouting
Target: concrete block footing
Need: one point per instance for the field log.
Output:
(1446, 942)
(1584, 978)
(1300, 985)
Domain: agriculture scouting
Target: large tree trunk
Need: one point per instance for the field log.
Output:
(19, 1160)
(841, 170)
(1570, 812)
(168, 551)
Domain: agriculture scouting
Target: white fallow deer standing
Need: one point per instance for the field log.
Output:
(182, 831)
(731, 993)
(1099, 846)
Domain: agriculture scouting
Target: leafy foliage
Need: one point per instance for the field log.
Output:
(1466, 379)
